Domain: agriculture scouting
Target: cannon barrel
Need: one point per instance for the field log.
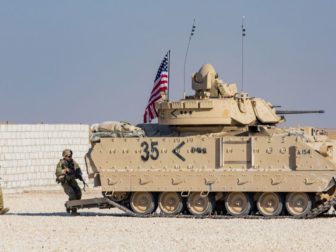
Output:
(292, 112)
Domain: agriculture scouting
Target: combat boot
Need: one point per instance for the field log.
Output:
(4, 210)
(74, 212)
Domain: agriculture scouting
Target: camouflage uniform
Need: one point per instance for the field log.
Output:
(3, 210)
(1, 199)
(66, 173)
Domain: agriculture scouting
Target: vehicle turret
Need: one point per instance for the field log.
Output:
(216, 103)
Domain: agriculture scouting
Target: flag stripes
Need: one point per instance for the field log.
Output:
(160, 85)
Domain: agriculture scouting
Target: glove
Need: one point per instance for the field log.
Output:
(60, 179)
(66, 171)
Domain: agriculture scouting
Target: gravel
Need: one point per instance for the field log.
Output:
(38, 222)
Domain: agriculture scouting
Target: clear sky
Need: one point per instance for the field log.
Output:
(85, 61)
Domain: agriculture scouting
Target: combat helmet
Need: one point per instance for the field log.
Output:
(66, 152)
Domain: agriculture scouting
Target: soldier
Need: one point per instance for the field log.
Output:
(3, 210)
(67, 172)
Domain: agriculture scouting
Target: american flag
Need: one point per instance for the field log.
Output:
(160, 85)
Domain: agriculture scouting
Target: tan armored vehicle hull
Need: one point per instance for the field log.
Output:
(215, 164)
(211, 164)
(217, 150)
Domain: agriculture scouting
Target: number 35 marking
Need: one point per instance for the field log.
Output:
(153, 153)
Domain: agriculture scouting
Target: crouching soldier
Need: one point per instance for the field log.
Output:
(67, 172)
(3, 210)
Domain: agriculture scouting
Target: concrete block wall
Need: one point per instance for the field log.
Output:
(29, 153)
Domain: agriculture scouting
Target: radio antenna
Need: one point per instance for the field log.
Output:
(185, 58)
(242, 63)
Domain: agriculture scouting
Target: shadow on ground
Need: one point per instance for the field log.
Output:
(95, 214)
(64, 214)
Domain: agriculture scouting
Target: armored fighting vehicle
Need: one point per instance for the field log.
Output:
(217, 150)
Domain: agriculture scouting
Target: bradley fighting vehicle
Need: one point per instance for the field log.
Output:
(218, 150)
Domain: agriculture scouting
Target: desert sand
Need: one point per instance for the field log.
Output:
(38, 222)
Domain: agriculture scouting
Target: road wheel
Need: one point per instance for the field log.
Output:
(298, 203)
(269, 204)
(238, 203)
(116, 196)
(142, 202)
(170, 203)
(199, 205)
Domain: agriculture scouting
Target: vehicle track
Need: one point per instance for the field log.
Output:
(315, 212)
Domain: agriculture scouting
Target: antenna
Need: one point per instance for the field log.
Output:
(242, 66)
(185, 59)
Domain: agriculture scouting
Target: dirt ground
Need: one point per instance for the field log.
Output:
(332, 133)
(38, 222)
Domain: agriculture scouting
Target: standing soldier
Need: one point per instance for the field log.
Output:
(3, 210)
(67, 172)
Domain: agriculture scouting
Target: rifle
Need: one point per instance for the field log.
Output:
(84, 183)
(78, 174)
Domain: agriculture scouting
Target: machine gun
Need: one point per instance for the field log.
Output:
(293, 112)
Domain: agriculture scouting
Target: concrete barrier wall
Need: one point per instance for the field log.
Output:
(29, 153)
